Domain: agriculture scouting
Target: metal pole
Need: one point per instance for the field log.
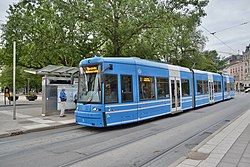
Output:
(14, 80)
(28, 92)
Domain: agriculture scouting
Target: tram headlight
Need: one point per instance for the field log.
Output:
(96, 109)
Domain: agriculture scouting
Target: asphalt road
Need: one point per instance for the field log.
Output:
(158, 142)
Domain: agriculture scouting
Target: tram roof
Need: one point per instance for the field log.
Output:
(54, 70)
(204, 72)
(134, 60)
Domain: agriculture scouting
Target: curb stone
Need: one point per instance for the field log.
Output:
(21, 132)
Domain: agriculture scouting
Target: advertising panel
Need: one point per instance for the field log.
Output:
(71, 91)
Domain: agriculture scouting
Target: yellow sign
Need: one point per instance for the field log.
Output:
(93, 69)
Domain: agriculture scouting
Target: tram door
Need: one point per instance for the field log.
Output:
(211, 91)
(175, 94)
(228, 89)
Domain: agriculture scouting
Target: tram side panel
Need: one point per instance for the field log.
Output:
(217, 81)
(201, 88)
(226, 87)
(124, 109)
(232, 89)
(187, 89)
(225, 90)
(153, 92)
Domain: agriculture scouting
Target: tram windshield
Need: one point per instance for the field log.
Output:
(90, 84)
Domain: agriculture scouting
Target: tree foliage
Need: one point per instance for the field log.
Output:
(59, 32)
(22, 79)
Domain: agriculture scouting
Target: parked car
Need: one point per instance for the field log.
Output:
(247, 90)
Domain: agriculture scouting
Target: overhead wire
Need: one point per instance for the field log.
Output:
(244, 23)
(219, 39)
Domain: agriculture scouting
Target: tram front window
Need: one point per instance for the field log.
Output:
(89, 85)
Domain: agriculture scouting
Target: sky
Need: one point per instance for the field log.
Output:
(229, 19)
(232, 18)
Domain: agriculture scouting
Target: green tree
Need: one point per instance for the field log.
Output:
(58, 32)
(213, 62)
(47, 32)
(131, 27)
(6, 78)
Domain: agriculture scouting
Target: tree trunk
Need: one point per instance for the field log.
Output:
(116, 44)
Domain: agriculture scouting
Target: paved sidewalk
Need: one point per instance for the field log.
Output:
(29, 118)
(229, 147)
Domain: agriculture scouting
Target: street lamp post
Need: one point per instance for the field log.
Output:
(14, 80)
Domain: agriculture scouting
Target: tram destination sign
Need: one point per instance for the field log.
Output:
(92, 69)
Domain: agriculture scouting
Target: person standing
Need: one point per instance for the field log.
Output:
(75, 99)
(63, 98)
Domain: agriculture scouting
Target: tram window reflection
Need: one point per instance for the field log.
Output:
(219, 86)
(205, 84)
(127, 88)
(185, 87)
(162, 88)
(199, 87)
(215, 86)
(110, 91)
(225, 86)
(147, 89)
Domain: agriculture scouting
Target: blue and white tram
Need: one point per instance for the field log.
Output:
(114, 91)
(208, 87)
(228, 87)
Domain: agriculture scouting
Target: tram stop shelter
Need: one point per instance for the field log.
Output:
(54, 79)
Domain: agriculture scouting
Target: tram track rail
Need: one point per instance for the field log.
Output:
(163, 153)
(159, 154)
(150, 143)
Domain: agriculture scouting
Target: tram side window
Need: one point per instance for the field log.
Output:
(205, 84)
(231, 85)
(228, 87)
(199, 87)
(185, 87)
(225, 86)
(215, 86)
(162, 88)
(219, 86)
(147, 89)
(110, 86)
(127, 90)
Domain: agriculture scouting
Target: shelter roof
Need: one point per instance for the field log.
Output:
(54, 70)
